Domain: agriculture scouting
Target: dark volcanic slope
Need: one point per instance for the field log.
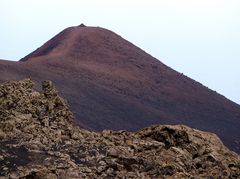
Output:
(38, 140)
(110, 83)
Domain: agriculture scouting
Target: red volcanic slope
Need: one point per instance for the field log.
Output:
(110, 83)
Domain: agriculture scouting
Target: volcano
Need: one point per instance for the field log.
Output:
(110, 83)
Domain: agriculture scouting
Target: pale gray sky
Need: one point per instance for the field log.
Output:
(200, 38)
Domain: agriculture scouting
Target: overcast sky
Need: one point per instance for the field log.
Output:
(200, 38)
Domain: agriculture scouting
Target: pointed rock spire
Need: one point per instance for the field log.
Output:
(82, 25)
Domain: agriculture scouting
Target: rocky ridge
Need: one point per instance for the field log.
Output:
(38, 139)
(102, 76)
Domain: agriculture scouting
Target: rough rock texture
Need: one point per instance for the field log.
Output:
(102, 76)
(39, 140)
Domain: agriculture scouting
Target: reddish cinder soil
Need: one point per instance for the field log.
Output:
(110, 83)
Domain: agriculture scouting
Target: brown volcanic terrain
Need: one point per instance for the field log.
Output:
(110, 83)
(38, 140)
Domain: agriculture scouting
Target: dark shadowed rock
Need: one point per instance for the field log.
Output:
(82, 25)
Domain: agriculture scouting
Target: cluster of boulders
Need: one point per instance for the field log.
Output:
(38, 139)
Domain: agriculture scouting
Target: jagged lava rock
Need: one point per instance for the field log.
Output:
(98, 70)
(40, 140)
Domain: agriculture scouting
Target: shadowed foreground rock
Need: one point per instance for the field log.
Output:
(39, 140)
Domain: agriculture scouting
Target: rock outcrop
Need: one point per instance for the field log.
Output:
(38, 139)
(110, 83)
